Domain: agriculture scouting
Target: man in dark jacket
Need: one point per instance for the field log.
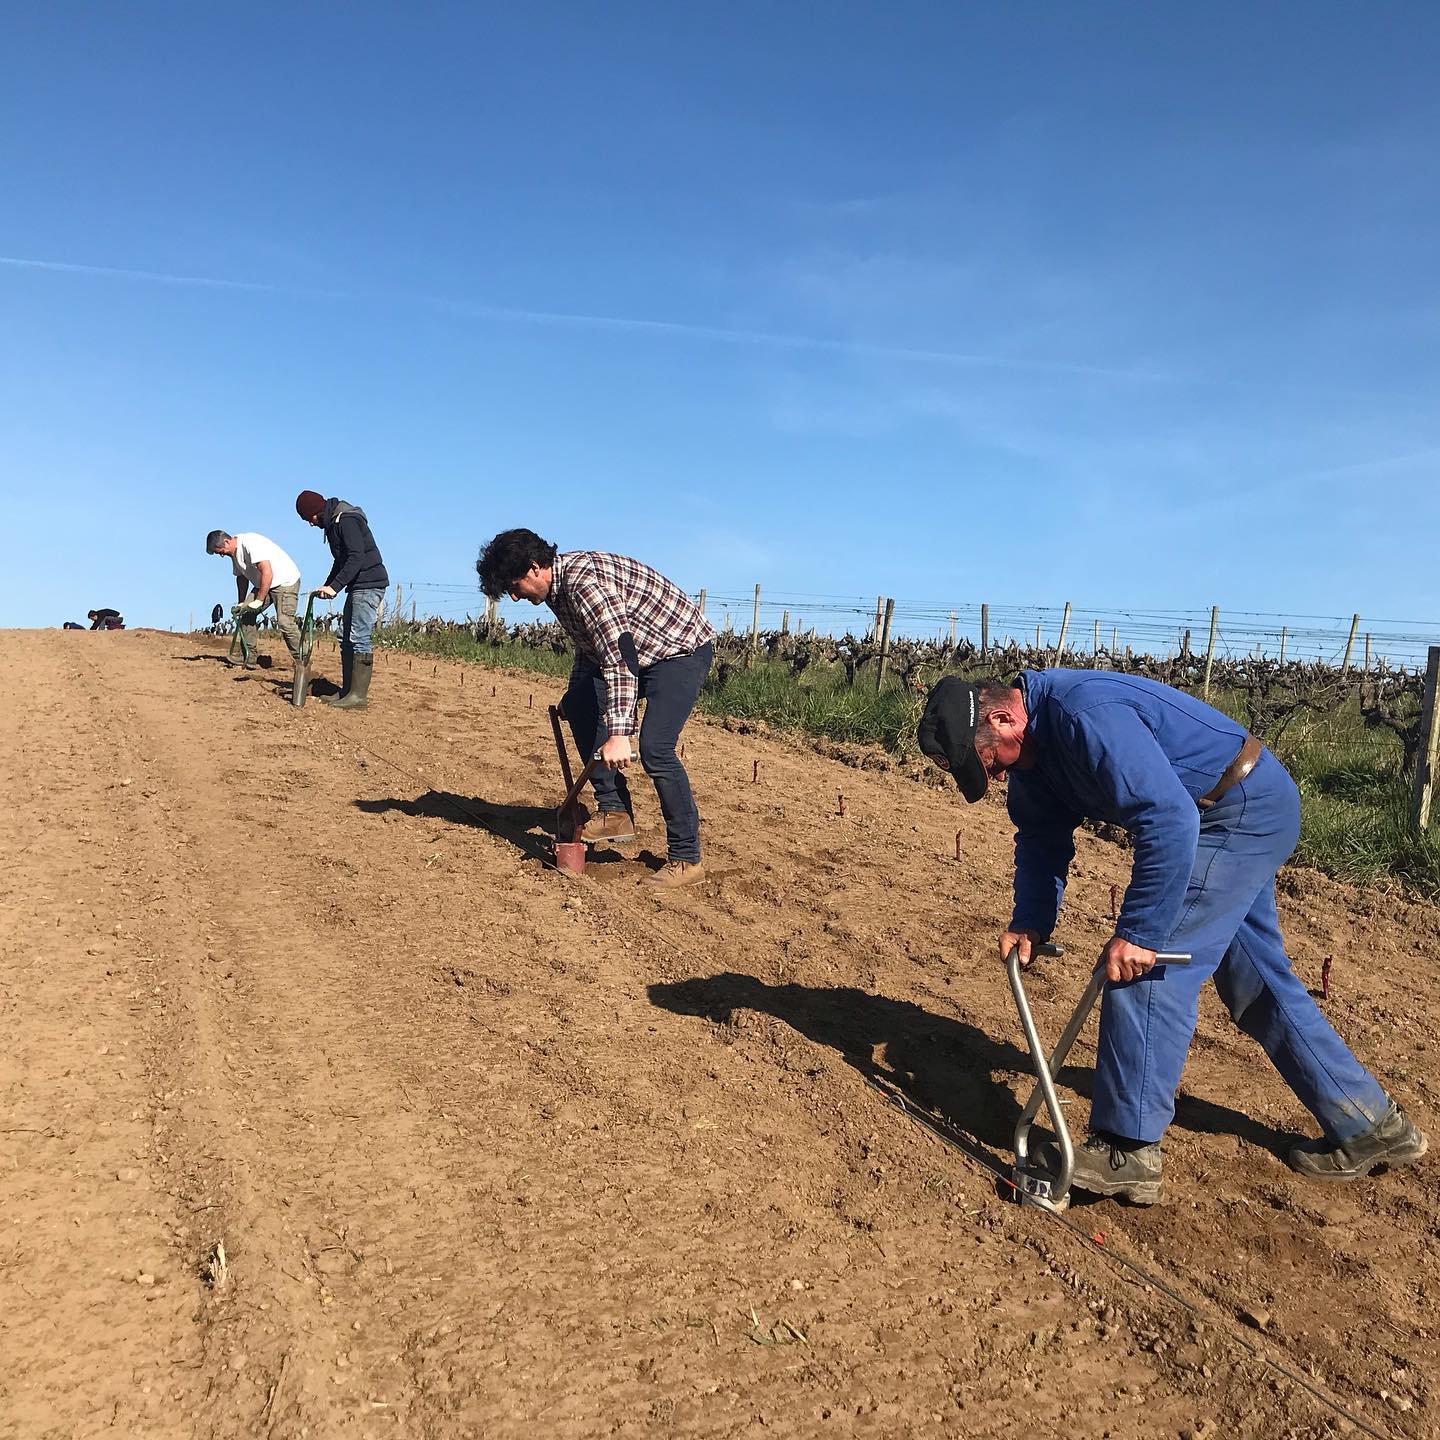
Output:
(358, 571)
(1212, 815)
(105, 619)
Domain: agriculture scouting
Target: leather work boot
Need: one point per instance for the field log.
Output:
(613, 825)
(1394, 1141)
(1123, 1169)
(358, 695)
(675, 873)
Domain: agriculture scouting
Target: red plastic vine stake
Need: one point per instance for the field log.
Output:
(531, 705)
(1325, 979)
(755, 773)
(842, 807)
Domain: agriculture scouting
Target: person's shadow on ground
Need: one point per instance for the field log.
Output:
(515, 824)
(954, 1071)
(944, 1066)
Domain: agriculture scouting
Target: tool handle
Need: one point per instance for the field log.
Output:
(574, 792)
(560, 746)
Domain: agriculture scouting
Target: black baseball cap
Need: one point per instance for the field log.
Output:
(947, 730)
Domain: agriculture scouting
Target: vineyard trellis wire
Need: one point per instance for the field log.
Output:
(1151, 632)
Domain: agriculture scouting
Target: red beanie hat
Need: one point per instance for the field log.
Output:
(309, 504)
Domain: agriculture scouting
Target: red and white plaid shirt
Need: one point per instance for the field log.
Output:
(599, 599)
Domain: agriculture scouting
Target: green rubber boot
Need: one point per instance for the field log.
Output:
(358, 695)
(347, 669)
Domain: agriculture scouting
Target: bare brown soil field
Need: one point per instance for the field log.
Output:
(496, 1153)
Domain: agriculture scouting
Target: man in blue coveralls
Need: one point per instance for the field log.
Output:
(1212, 815)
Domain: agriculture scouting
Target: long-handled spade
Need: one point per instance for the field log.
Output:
(1036, 1184)
(300, 686)
(239, 638)
(569, 827)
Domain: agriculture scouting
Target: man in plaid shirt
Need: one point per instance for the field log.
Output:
(637, 636)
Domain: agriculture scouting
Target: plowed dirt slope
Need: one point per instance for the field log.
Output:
(494, 1153)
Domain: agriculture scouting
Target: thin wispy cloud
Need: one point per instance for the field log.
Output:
(631, 324)
(156, 277)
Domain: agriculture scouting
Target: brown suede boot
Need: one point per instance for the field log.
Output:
(675, 873)
(613, 825)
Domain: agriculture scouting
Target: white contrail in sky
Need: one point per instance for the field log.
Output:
(633, 324)
(155, 276)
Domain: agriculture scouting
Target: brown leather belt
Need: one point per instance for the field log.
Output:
(1235, 771)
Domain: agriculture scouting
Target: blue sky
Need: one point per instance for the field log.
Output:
(1126, 304)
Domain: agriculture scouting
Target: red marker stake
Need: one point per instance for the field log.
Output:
(1325, 979)
(755, 773)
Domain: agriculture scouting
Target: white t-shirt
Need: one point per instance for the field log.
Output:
(251, 549)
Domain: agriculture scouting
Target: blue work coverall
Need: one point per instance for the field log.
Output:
(1139, 754)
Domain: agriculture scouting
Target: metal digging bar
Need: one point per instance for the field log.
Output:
(1034, 1185)
(300, 686)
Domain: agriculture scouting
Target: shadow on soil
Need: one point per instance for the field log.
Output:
(515, 824)
(949, 1069)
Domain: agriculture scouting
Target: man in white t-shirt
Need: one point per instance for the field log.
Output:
(263, 572)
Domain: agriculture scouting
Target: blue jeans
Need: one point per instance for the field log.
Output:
(670, 689)
(1231, 928)
(362, 610)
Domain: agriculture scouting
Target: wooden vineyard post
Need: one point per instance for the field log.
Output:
(984, 630)
(1210, 648)
(1095, 645)
(1037, 637)
(1114, 642)
(399, 601)
(1284, 631)
(1429, 743)
(1367, 653)
(884, 645)
(879, 611)
(702, 602)
(755, 627)
(1349, 644)
(1064, 630)
(785, 623)
(953, 618)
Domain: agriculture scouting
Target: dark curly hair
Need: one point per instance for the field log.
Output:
(508, 556)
